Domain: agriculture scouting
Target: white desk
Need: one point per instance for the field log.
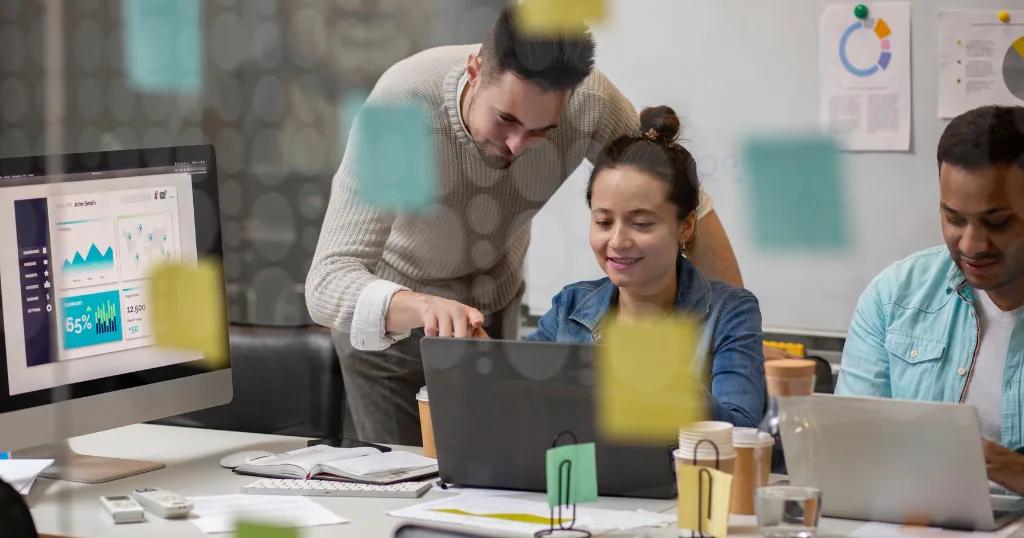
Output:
(192, 457)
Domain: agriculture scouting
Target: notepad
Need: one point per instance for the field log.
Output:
(362, 464)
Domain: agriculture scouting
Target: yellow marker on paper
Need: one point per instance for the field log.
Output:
(558, 17)
(518, 518)
(713, 488)
(1004, 16)
(187, 309)
(646, 384)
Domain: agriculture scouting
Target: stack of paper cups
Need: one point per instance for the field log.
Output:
(698, 443)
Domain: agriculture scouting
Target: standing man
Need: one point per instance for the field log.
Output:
(511, 118)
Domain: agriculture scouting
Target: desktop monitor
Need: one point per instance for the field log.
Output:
(79, 234)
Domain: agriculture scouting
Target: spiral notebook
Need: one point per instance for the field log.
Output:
(363, 464)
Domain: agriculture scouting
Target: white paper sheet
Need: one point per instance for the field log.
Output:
(865, 76)
(218, 513)
(981, 60)
(21, 474)
(476, 507)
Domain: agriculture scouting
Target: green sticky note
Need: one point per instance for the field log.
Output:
(796, 193)
(396, 157)
(162, 45)
(579, 476)
(246, 529)
(187, 309)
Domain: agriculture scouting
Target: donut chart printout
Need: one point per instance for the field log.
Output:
(981, 60)
(865, 76)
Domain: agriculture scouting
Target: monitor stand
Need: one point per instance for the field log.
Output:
(74, 467)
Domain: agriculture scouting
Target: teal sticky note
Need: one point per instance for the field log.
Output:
(396, 157)
(348, 110)
(578, 476)
(795, 191)
(162, 45)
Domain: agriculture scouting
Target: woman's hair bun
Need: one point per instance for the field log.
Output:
(662, 121)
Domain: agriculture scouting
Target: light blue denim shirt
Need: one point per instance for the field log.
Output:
(915, 336)
(732, 327)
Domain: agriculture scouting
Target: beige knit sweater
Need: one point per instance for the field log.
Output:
(472, 246)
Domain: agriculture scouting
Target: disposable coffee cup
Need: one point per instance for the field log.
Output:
(751, 469)
(426, 425)
(722, 463)
(705, 440)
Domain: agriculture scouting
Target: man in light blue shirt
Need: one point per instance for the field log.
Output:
(945, 323)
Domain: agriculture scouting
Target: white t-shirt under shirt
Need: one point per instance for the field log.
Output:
(986, 389)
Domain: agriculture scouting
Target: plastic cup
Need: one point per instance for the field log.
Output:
(788, 511)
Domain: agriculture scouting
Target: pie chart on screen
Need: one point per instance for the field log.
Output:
(1013, 68)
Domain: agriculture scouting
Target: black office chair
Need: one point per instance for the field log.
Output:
(286, 381)
(15, 517)
(824, 380)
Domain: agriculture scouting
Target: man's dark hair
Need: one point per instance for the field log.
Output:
(982, 137)
(553, 63)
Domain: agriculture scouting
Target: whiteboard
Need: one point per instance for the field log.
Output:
(734, 68)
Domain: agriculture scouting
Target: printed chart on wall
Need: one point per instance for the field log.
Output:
(865, 76)
(981, 60)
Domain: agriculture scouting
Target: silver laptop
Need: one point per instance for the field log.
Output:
(894, 460)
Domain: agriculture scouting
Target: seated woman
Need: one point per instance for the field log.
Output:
(643, 194)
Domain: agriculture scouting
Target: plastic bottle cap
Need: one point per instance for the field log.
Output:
(1004, 16)
(861, 11)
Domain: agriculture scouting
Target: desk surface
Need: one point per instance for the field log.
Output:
(192, 457)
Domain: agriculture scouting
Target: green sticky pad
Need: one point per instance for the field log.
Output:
(795, 193)
(580, 476)
(396, 157)
(162, 45)
(246, 529)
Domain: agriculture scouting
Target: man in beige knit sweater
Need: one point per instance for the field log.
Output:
(512, 118)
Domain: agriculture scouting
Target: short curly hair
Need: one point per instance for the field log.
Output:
(982, 137)
(552, 63)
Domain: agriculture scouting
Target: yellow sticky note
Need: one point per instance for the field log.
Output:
(713, 489)
(187, 309)
(546, 18)
(646, 383)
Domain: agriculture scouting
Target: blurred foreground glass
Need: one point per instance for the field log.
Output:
(788, 511)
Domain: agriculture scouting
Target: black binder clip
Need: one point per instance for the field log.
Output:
(700, 486)
(564, 472)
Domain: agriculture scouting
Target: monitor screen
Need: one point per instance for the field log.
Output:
(79, 235)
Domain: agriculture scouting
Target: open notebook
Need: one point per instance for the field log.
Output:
(322, 462)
